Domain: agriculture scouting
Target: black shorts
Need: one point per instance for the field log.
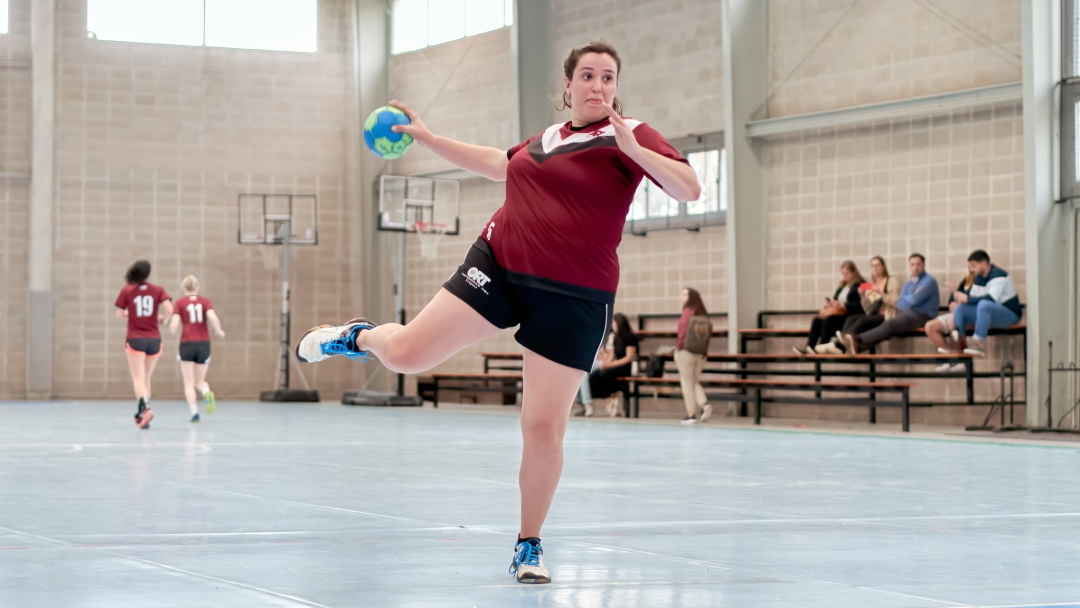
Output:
(196, 352)
(150, 346)
(555, 321)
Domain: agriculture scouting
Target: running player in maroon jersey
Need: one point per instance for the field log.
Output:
(194, 312)
(146, 306)
(546, 261)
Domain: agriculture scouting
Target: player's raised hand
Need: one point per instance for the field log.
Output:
(416, 128)
(624, 135)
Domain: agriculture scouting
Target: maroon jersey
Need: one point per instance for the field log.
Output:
(567, 196)
(142, 302)
(192, 311)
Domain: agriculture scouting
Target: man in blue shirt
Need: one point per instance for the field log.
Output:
(918, 304)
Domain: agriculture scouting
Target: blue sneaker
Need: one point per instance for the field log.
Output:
(528, 564)
(194, 418)
(325, 341)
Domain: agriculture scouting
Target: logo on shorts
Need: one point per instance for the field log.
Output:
(477, 279)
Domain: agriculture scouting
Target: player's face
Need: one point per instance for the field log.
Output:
(595, 80)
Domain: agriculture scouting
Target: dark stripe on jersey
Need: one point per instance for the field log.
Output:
(536, 148)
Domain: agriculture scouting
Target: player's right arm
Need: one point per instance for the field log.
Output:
(482, 160)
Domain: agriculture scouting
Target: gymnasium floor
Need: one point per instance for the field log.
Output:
(324, 505)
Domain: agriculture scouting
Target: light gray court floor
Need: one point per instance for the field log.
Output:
(325, 505)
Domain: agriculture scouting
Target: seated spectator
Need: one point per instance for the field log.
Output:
(991, 303)
(604, 382)
(918, 304)
(878, 299)
(844, 303)
(941, 329)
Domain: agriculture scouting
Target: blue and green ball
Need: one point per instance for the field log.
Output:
(380, 139)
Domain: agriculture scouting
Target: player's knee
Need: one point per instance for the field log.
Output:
(405, 357)
(542, 429)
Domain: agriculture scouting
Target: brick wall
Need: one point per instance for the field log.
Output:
(15, 106)
(154, 143)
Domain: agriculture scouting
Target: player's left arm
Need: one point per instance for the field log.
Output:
(215, 323)
(174, 323)
(676, 178)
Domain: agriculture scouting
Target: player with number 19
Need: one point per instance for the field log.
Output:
(195, 312)
(146, 306)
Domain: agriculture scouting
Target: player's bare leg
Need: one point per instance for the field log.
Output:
(445, 326)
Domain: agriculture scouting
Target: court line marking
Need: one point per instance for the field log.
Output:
(590, 544)
(171, 568)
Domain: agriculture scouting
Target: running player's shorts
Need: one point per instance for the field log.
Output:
(196, 352)
(150, 346)
(556, 325)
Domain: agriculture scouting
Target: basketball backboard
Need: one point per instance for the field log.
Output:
(403, 201)
(264, 219)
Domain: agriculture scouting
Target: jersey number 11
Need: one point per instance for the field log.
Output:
(194, 313)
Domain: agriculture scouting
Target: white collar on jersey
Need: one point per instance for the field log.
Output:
(553, 138)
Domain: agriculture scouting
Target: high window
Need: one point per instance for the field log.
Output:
(274, 25)
(653, 209)
(422, 23)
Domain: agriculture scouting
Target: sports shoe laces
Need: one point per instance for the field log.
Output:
(340, 346)
(527, 554)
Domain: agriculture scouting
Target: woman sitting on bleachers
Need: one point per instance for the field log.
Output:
(878, 300)
(844, 303)
(616, 363)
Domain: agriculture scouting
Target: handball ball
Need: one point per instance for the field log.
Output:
(380, 139)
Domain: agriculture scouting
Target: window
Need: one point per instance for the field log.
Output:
(275, 25)
(653, 209)
(422, 23)
(3, 16)
(1069, 119)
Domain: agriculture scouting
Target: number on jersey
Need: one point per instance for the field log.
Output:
(144, 306)
(194, 312)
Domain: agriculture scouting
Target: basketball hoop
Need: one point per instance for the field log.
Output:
(430, 235)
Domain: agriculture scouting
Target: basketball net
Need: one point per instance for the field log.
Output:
(430, 235)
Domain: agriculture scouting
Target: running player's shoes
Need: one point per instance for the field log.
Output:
(143, 412)
(210, 402)
(144, 420)
(528, 564)
(325, 341)
(194, 418)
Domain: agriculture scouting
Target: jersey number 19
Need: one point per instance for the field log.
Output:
(144, 306)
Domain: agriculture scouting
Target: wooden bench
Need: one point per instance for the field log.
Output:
(758, 334)
(751, 393)
(820, 371)
(508, 383)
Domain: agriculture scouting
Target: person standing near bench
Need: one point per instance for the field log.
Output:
(918, 304)
(992, 303)
(878, 303)
(691, 350)
(844, 304)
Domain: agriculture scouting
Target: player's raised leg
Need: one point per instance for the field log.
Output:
(204, 387)
(445, 326)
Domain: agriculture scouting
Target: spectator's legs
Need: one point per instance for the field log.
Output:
(815, 332)
(907, 320)
(831, 325)
(963, 316)
(990, 314)
(936, 331)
